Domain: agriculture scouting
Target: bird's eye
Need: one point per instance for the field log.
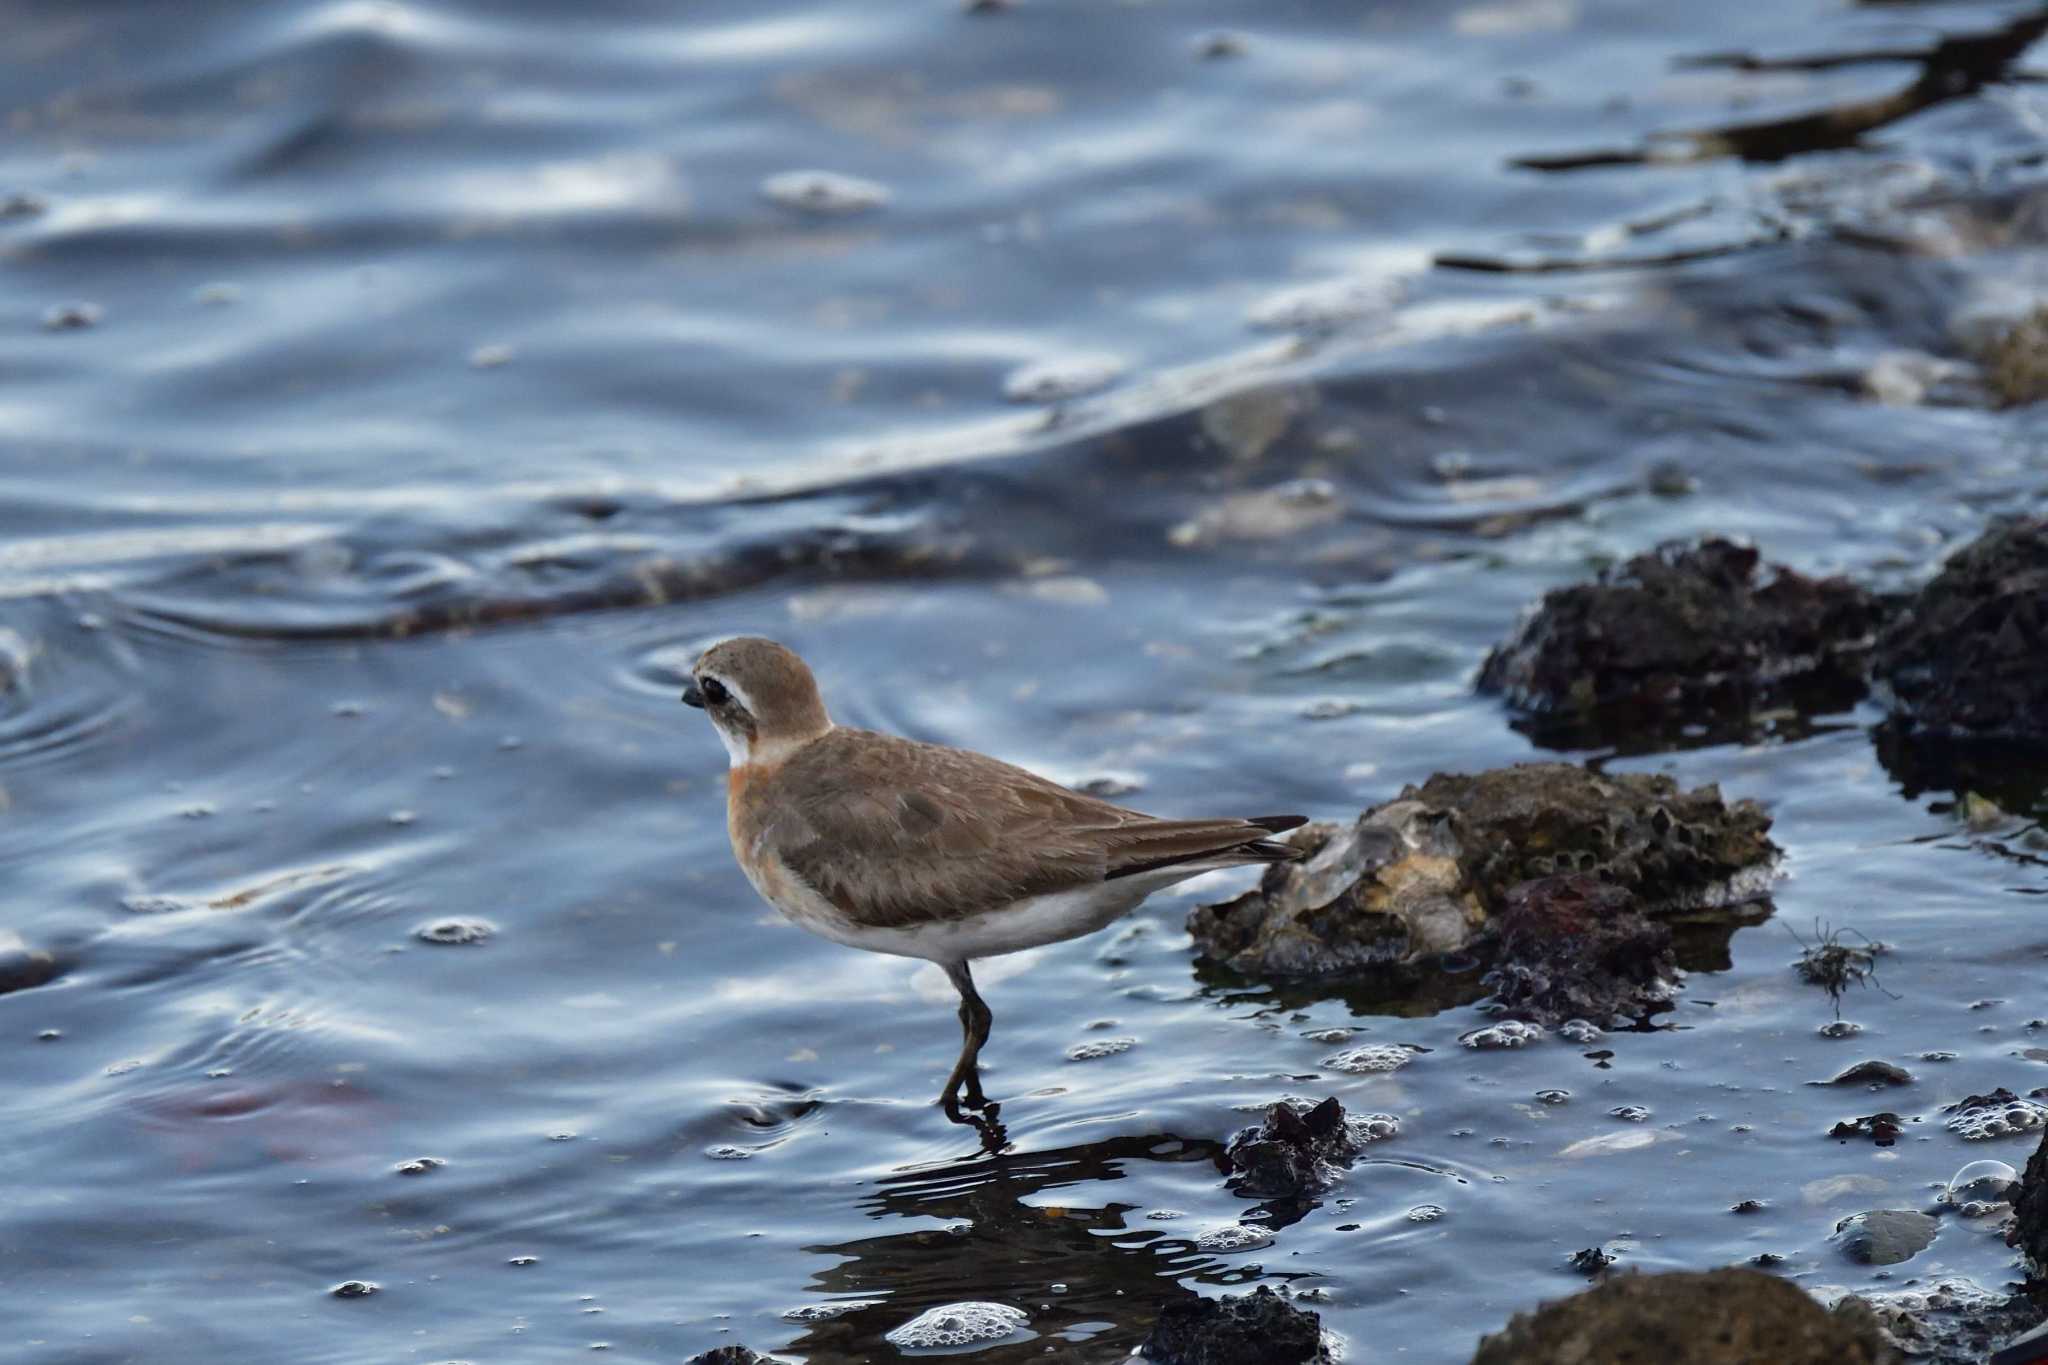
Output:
(714, 692)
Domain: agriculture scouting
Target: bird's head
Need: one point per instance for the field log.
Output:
(760, 697)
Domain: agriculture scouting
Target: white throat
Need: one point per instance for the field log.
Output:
(740, 751)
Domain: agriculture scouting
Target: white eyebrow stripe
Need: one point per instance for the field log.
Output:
(746, 702)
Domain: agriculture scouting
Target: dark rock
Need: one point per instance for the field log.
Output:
(1292, 1155)
(1965, 659)
(2030, 1214)
(1683, 633)
(732, 1355)
(1421, 874)
(1593, 1260)
(1684, 1317)
(1259, 1328)
(1573, 947)
(22, 967)
(1883, 1129)
(1885, 1236)
(1872, 1073)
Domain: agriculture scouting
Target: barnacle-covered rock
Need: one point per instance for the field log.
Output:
(1427, 873)
(1682, 634)
(1259, 1328)
(1969, 657)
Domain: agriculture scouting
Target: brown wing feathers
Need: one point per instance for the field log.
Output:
(1165, 843)
(887, 829)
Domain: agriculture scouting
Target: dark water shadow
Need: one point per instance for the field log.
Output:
(1091, 1278)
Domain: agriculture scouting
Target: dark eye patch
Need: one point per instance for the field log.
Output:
(714, 692)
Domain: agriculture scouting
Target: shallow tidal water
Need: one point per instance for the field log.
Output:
(394, 397)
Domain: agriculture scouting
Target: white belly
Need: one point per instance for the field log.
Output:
(1029, 923)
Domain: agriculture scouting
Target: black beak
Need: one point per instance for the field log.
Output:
(691, 696)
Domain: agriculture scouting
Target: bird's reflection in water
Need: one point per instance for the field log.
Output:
(998, 1239)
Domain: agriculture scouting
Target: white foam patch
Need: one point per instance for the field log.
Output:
(1371, 1058)
(1985, 1121)
(1507, 1033)
(1233, 1237)
(957, 1324)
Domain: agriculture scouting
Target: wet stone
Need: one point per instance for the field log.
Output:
(1716, 1317)
(1422, 874)
(1681, 633)
(419, 1165)
(1885, 1236)
(1260, 1328)
(1874, 1074)
(1294, 1153)
(1882, 1129)
(355, 1289)
(1964, 659)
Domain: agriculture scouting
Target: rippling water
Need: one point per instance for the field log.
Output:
(394, 396)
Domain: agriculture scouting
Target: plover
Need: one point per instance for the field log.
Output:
(920, 850)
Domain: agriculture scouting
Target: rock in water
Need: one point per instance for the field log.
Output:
(2030, 1215)
(1683, 633)
(1293, 1154)
(1885, 1236)
(1423, 873)
(1259, 1328)
(1683, 1317)
(1966, 659)
(1575, 947)
(732, 1355)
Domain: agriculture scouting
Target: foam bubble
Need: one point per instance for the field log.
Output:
(957, 1324)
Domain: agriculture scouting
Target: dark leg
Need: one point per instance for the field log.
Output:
(975, 1022)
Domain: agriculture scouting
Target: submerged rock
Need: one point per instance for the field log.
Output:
(1885, 1236)
(1965, 660)
(1294, 1153)
(1259, 1328)
(2030, 1214)
(1872, 1073)
(1573, 947)
(1425, 873)
(1683, 1317)
(1685, 633)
